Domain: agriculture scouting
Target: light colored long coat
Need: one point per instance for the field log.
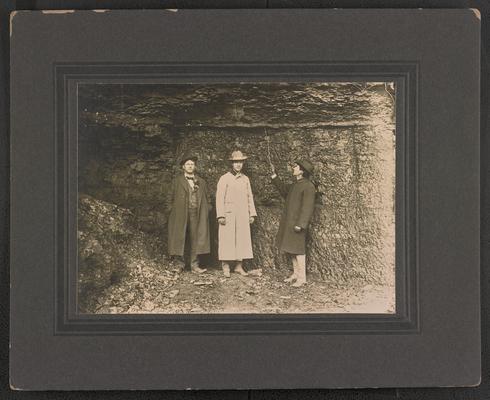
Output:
(234, 202)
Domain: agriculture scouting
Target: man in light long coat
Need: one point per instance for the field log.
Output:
(235, 210)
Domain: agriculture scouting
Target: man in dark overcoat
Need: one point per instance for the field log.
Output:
(298, 210)
(188, 204)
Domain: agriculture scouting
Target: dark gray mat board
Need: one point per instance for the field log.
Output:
(275, 342)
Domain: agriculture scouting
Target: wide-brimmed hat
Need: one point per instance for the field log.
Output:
(188, 157)
(305, 166)
(237, 155)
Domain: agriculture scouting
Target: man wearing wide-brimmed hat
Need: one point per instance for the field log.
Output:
(188, 203)
(298, 210)
(235, 210)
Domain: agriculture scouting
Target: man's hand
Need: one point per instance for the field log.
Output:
(273, 171)
(298, 229)
(251, 220)
(222, 220)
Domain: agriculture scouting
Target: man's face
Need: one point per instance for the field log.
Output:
(296, 169)
(237, 165)
(189, 166)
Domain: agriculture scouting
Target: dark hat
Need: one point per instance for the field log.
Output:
(188, 157)
(305, 166)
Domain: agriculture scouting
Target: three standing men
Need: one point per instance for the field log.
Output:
(235, 210)
(189, 204)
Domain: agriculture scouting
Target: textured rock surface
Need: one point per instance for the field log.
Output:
(131, 138)
(110, 248)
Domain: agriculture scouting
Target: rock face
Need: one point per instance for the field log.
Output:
(109, 247)
(131, 138)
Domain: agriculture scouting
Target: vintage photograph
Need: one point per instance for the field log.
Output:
(251, 197)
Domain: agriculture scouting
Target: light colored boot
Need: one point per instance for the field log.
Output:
(294, 275)
(197, 270)
(226, 269)
(301, 277)
(239, 269)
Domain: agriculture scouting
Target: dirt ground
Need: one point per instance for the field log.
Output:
(153, 290)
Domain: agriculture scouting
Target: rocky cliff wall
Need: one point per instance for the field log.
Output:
(132, 137)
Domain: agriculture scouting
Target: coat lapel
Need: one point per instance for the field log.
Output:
(183, 182)
(199, 191)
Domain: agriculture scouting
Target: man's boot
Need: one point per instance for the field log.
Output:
(179, 265)
(197, 270)
(239, 269)
(226, 269)
(294, 275)
(301, 276)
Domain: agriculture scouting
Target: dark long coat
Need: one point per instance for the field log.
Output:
(300, 203)
(178, 206)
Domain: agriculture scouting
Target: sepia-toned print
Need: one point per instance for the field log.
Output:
(267, 197)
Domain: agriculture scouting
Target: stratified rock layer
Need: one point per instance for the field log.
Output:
(131, 138)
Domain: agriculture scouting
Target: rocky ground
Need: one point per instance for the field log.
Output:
(123, 270)
(151, 289)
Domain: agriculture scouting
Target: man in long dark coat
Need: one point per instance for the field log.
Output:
(298, 210)
(188, 205)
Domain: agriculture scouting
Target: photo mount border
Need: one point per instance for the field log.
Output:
(67, 321)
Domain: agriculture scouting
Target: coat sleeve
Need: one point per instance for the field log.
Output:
(307, 206)
(280, 186)
(206, 193)
(220, 198)
(169, 198)
(251, 205)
